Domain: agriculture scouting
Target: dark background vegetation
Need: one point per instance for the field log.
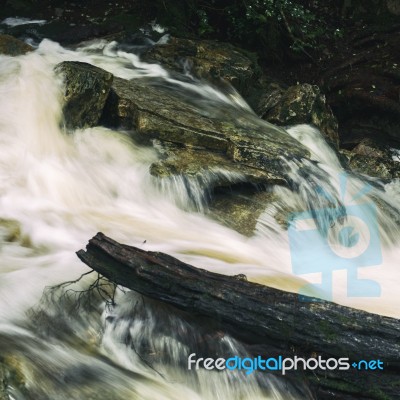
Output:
(278, 31)
(349, 48)
(269, 27)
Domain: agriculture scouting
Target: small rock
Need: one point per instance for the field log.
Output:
(240, 210)
(240, 277)
(372, 158)
(10, 230)
(11, 46)
(377, 167)
(370, 148)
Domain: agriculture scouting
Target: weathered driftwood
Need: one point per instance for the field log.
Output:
(266, 319)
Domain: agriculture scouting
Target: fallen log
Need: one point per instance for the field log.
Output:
(264, 318)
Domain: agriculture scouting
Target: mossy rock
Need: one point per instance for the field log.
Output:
(11, 46)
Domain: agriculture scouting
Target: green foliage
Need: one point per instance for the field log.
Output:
(204, 27)
(271, 25)
(290, 17)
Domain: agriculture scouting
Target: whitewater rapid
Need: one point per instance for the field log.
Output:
(58, 189)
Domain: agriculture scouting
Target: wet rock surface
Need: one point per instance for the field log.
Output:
(376, 167)
(11, 46)
(206, 59)
(157, 112)
(374, 149)
(240, 209)
(359, 73)
(86, 89)
(300, 104)
(209, 144)
(213, 167)
(374, 159)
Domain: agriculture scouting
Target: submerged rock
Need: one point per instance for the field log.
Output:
(10, 230)
(238, 136)
(3, 383)
(300, 104)
(240, 210)
(13, 47)
(13, 382)
(86, 90)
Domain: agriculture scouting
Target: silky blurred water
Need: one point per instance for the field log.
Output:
(58, 189)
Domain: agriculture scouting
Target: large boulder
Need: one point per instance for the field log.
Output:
(237, 135)
(11, 46)
(206, 59)
(86, 89)
(299, 104)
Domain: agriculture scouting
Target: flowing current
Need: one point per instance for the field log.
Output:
(57, 190)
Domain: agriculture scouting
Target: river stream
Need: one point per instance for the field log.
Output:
(58, 189)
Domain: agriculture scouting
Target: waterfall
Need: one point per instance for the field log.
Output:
(58, 189)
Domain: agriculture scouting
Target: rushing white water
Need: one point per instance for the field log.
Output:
(57, 190)
(22, 21)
